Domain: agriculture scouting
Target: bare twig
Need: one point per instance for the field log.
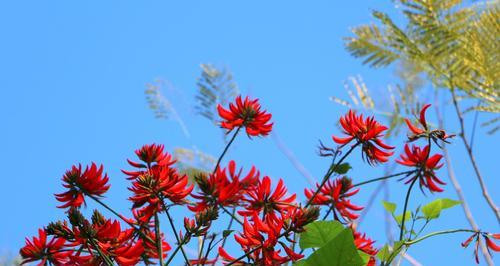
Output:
(460, 193)
(468, 148)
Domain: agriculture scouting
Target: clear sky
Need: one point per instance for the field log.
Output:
(72, 80)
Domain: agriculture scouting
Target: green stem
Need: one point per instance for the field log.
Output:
(158, 239)
(226, 148)
(104, 257)
(407, 199)
(184, 240)
(409, 243)
(331, 170)
(232, 214)
(171, 222)
(383, 178)
(123, 219)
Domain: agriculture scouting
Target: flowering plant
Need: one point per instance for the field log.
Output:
(271, 226)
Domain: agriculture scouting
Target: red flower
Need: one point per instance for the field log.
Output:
(300, 217)
(246, 114)
(154, 186)
(260, 198)
(365, 245)
(40, 249)
(367, 132)
(425, 166)
(218, 189)
(262, 236)
(490, 244)
(336, 194)
(149, 154)
(424, 131)
(89, 183)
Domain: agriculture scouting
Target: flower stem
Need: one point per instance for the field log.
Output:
(407, 199)
(331, 170)
(383, 178)
(411, 242)
(186, 237)
(122, 218)
(96, 247)
(232, 214)
(179, 243)
(158, 239)
(226, 148)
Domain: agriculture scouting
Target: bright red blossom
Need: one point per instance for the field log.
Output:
(425, 166)
(156, 185)
(89, 183)
(246, 113)
(490, 244)
(367, 132)
(418, 132)
(153, 156)
(336, 194)
(218, 189)
(261, 198)
(365, 244)
(264, 236)
(40, 249)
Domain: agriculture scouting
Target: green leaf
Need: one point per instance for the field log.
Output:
(340, 251)
(342, 168)
(389, 206)
(399, 218)
(433, 209)
(319, 233)
(226, 233)
(365, 257)
(384, 254)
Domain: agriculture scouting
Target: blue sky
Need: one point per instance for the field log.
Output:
(72, 90)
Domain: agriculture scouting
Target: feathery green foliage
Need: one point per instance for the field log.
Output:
(454, 44)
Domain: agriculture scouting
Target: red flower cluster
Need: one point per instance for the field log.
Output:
(40, 249)
(89, 183)
(490, 244)
(151, 186)
(218, 189)
(367, 132)
(425, 166)
(263, 236)
(335, 194)
(262, 199)
(98, 242)
(246, 113)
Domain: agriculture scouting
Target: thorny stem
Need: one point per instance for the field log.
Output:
(158, 239)
(472, 159)
(407, 199)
